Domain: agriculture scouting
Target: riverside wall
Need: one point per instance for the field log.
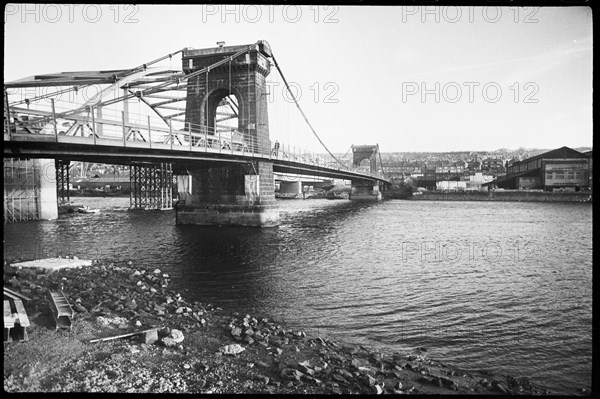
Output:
(516, 195)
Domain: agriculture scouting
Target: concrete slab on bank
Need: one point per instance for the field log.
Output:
(54, 263)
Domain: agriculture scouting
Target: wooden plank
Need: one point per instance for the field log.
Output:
(16, 321)
(23, 319)
(150, 331)
(7, 311)
(7, 337)
(15, 295)
(9, 320)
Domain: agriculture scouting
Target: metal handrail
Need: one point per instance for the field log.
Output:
(193, 136)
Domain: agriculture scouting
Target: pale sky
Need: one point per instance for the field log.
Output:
(408, 78)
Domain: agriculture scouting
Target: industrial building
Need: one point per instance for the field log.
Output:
(563, 168)
(590, 167)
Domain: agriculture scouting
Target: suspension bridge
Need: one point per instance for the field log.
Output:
(201, 126)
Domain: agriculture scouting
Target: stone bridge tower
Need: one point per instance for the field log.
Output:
(243, 78)
(362, 152)
(218, 193)
(365, 189)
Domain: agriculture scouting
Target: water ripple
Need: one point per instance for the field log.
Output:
(482, 285)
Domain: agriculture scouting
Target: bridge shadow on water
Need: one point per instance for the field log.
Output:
(237, 267)
(248, 268)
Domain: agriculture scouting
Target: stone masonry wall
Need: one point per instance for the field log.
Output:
(247, 81)
(534, 196)
(219, 198)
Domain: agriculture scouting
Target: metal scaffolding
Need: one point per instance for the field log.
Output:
(151, 186)
(62, 181)
(21, 190)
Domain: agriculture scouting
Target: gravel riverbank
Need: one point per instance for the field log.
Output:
(200, 348)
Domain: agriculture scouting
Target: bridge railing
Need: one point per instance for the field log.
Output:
(130, 131)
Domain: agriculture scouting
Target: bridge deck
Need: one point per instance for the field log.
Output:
(103, 128)
(119, 151)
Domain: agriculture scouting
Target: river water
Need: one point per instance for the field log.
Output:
(499, 286)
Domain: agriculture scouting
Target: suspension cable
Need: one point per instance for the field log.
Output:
(302, 112)
(170, 82)
(177, 80)
(347, 152)
(380, 161)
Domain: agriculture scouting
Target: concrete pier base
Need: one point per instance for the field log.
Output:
(29, 190)
(228, 215)
(233, 195)
(365, 191)
(47, 196)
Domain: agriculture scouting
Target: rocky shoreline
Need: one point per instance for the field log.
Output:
(200, 348)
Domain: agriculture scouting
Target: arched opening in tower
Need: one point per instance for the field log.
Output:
(224, 121)
(365, 165)
(223, 112)
(227, 116)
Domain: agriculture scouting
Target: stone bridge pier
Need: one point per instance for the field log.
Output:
(236, 195)
(219, 193)
(362, 190)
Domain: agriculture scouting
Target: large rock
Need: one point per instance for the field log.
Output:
(262, 378)
(346, 374)
(176, 335)
(368, 380)
(305, 368)
(232, 349)
(236, 331)
(261, 364)
(169, 342)
(292, 374)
